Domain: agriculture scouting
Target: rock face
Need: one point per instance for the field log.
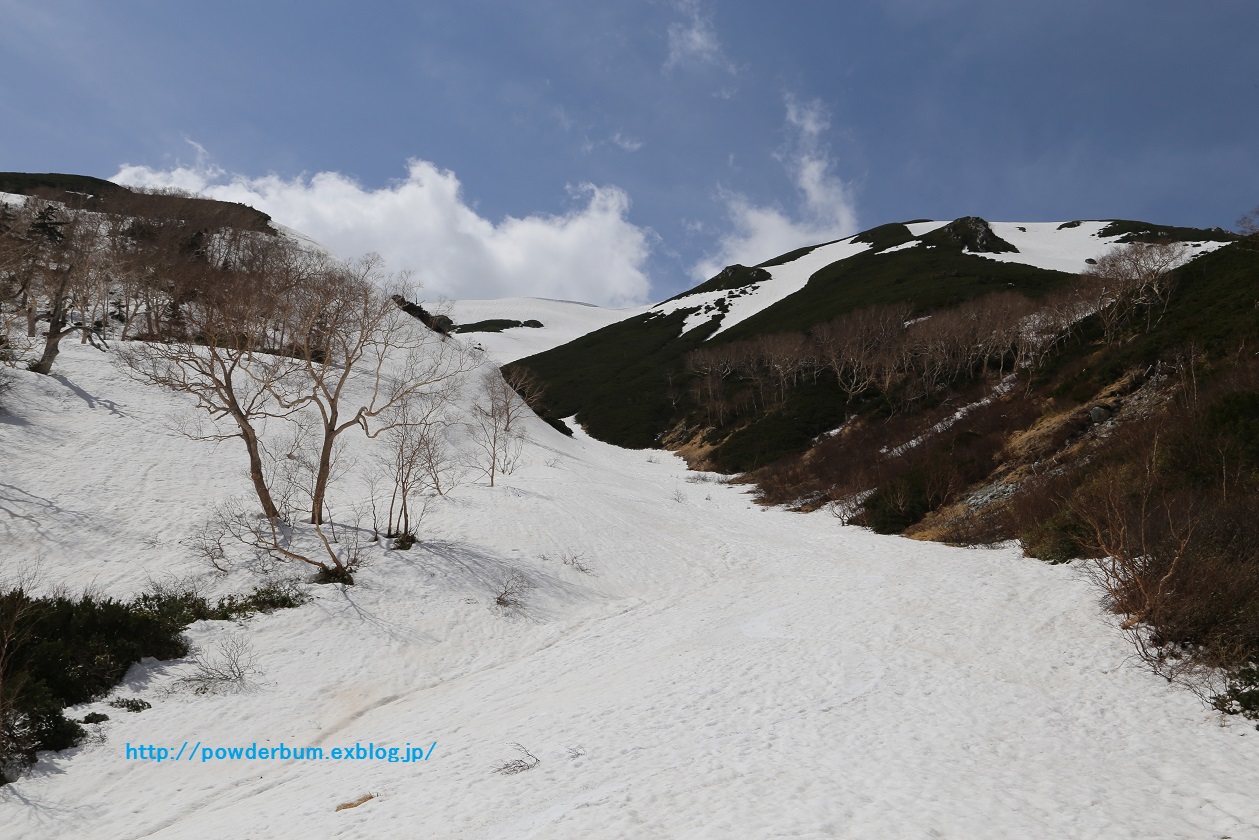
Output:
(496, 325)
(729, 278)
(975, 234)
(436, 323)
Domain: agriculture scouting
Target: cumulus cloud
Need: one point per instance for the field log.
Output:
(694, 40)
(824, 209)
(591, 253)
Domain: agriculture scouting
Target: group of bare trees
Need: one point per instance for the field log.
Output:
(278, 345)
(50, 272)
(1132, 281)
(885, 349)
(881, 349)
(298, 336)
(66, 270)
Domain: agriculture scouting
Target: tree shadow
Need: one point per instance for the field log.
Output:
(91, 401)
(13, 498)
(486, 573)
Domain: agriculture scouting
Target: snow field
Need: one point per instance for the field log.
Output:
(562, 321)
(725, 670)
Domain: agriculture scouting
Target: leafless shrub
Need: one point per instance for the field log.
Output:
(845, 509)
(1248, 224)
(230, 671)
(417, 458)
(93, 731)
(575, 753)
(208, 543)
(1130, 278)
(526, 761)
(574, 560)
(269, 543)
(496, 425)
(511, 590)
(1177, 561)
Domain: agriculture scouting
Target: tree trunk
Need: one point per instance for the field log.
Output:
(56, 331)
(250, 437)
(323, 471)
(247, 434)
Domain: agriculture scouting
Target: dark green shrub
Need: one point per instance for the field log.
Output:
(81, 649)
(264, 599)
(65, 651)
(173, 608)
(334, 575)
(130, 704)
(95, 717)
(897, 504)
(403, 542)
(1055, 539)
(1241, 694)
(37, 723)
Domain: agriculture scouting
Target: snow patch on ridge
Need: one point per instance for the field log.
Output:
(923, 228)
(784, 280)
(1050, 246)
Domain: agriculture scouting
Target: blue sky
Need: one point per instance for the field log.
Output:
(619, 151)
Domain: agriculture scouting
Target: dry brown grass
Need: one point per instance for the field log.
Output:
(354, 803)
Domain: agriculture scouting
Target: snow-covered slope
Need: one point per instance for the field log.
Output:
(1057, 247)
(742, 303)
(562, 321)
(722, 670)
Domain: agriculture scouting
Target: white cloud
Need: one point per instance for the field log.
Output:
(627, 144)
(694, 40)
(591, 253)
(824, 210)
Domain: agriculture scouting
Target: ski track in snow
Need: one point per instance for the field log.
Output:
(725, 671)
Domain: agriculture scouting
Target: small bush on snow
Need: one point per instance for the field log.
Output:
(510, 592)
(1241, 694)
(230, 670)
(526, 761)
(130, 704)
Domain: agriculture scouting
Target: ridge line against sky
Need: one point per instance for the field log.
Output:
(621, 152)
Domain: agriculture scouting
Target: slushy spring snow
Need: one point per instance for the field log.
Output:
(717, 670)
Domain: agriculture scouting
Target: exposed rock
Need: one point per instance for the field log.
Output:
(436, 323)
(972, 234)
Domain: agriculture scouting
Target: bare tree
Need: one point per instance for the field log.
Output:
(226, 371)
(1131, 277)
(18, 254)
(1248, 224)
(855, 346)
(417, 457)
(495, 427)
(361, 358)
(1146, 541)
(65, 286)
